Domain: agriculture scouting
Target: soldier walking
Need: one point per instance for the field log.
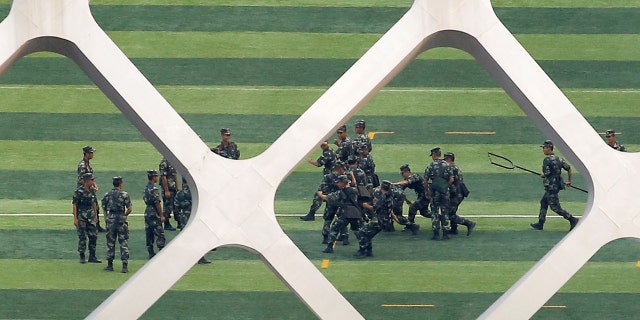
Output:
(457, 192)
(327, 160)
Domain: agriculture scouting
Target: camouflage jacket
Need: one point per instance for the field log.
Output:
(84, 200)
(167, 170)
(183, 201)
(552, 170)
(344, 150)
(151, 198)
(417, 184)
(230, 151)
(327, 159)
(116, 202)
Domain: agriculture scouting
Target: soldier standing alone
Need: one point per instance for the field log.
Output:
(116, 205)
(153, 216)
(227, 148)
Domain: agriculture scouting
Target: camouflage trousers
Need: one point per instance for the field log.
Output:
(452, 211)
(184, 216)
(117, 230)
(369, 230)
(339, 226)
(316, 204)
(87, 230)
(439, 215)
(167, 206)
(154, 232)
(422, 205)
(329, 214)
(550, 199)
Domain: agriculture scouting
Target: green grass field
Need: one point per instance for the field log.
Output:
(255, 66)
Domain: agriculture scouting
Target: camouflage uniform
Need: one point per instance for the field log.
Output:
(328, 186)
(367, 165)
(552, 170)
(347, 213)
(182, 204)
(344, 146)
(327, 159)
(115, 204)
(382, 205)
(84, 166)
(230, 150)
(168, 172)
(422, 202)
(152, 223)
(84, 201)
(611, 138)
(438, 174)
(456, 196)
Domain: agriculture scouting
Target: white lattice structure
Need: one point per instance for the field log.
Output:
(226, 216)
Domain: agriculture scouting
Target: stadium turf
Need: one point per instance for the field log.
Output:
(255, 66)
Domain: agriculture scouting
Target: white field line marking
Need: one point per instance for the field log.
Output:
(208, 88)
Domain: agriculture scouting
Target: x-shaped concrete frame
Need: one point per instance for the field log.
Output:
(234, 200)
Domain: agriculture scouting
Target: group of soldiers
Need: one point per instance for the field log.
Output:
(356, 199)
(160, 205)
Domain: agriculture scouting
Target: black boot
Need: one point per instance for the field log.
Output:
(454, 228)
(125, 267)
(151, 253)
(573, 221)
(414, 228)
(445, 234)
(345, 240)
(436, 235)
(470, 226)
(82, 258)
(203, 261)
(329, 248)
(308, 217)
(369, 251)
(92, 258)
(361, 253)
(167, 226)
(325, 239)
(538, 226)
(109, 266)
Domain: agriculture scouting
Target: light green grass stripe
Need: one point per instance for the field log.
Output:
(155, 44)
(248, 276)
(372, 3)
(296, 100)
(64, 156)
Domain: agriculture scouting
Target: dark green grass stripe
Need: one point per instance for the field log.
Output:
(56, 185)
(267, 128)
(323, 72)
(348, 20)
(232, 305)
(515, 245)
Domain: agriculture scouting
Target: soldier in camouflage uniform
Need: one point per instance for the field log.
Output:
(227, 148)
(381, 207)
(457, 193)
(439, 177)
(169, 187)
(398, 199)
(552, 177)
(344, 144)
(84, 166)
(183, 203)
(361, 141)
(611, 141)
(415, 182)
(85, 218)
(327, 186)
(116, 205)
(153, 216)
(347, 213)
(367, 165)
(327, 159)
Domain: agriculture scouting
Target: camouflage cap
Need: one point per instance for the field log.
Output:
(341, 129)
(116, 180)
(405, 167)
(385, 185)
(152, 173)
(450, 155)
(225, 131)
(360, 124)
(610, 133)
(352, 159)
(338, 163)
(436, 150)
(547, 143)
(88, 149)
